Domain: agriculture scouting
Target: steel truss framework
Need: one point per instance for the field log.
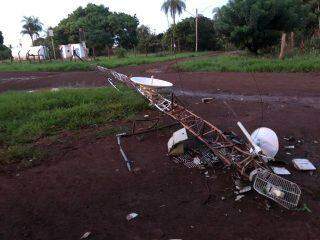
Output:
(230, 153)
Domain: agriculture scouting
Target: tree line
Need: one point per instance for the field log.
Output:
(256, 25)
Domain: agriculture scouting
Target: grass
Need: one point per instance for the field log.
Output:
(298, 63)
(27, 117)
(112, 62)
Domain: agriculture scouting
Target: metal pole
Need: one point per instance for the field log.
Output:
(54, 52)
(197, 39)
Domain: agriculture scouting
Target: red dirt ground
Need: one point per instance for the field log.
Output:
(86, 187)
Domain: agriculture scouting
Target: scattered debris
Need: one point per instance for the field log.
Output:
(280, 170)
(303, 164)
(245, 189)
(206, 100)
(315, 142)
(239, 197)
(132, 216)
(174, 148)
(289, 138)
(55, 89)
(223, 198)
(206, 174)
(85, 235)
(289, 147)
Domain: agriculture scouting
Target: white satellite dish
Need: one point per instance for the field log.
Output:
(151, 82)
(267, 140)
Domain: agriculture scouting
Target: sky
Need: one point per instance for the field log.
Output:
(50, 12)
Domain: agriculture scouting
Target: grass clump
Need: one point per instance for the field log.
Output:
(298, 63)
(26, 117)
(113, 62)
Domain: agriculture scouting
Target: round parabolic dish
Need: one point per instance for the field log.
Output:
(267, 140)
(151, 82)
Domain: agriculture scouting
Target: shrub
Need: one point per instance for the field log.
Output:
(121, 52)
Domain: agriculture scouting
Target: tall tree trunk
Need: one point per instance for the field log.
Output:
(283, 46)
(32, 41)
(292, 36)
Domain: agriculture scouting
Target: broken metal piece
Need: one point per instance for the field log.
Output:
(124, 156)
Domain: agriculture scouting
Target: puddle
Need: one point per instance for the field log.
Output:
(19, 78)
(306, 101)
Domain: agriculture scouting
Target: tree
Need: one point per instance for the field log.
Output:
(1, 38)
(185, 34)
(313, 18)
(32, 27)
(101, 28)
(5, 52)
(258, 24)
(144, 39)
(174, 7)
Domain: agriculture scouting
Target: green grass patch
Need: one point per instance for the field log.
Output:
(27, 117)
(298, 63)
(112, 62)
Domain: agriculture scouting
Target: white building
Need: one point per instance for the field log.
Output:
(37, 52)
(73, 51)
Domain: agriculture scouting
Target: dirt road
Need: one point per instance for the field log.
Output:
(86, 187)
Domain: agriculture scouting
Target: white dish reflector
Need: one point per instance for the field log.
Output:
(151, 82)
(267, 140)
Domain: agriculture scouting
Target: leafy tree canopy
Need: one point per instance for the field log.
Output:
(100, 26)
(186, 37)
(257, 24)
(32, 27)
(5, 52)
(1, 38)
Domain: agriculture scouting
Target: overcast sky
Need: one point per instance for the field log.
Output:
(50, 12)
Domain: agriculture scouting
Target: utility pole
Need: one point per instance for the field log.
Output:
(197, 38)
(50, 33)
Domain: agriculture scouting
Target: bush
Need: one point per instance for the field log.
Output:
(121, 52)
(5, 53)
(312, 45)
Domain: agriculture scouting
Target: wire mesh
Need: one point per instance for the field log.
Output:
(278, 189)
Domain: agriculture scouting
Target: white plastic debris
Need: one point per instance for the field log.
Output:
(239, 197)
(303, 164)
(177, 137)
(206, 100)
(131, 216)
(197, 161)
(245, 189)
(280, 170)
(55, 89)
(85, 235)
(289, 147)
